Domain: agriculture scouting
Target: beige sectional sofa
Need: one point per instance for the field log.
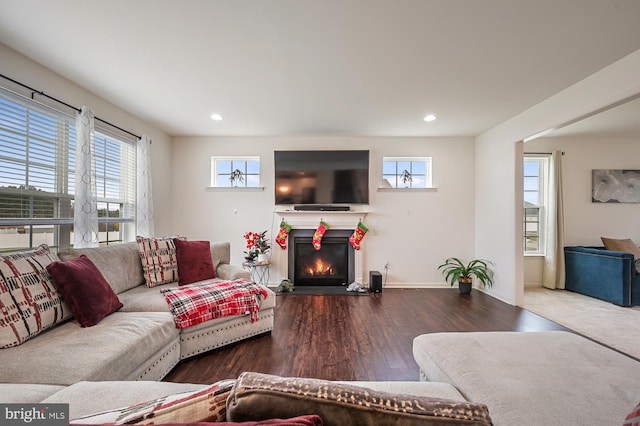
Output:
(138, 342)
(524, 378)
(530, 378)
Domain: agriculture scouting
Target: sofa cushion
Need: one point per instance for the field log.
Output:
(119, 263)
(195, 262)
(120, 347)
(258, 396)
(84, 289)
(626, 245)
(203, 405)
(29, 301)
(145, 299)
(26, 393)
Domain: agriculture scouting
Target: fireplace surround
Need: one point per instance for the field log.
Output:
(309, 220)
(332, 265)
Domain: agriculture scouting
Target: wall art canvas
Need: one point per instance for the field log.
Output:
(615, 186)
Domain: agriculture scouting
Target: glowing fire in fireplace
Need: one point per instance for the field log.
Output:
(320, 268)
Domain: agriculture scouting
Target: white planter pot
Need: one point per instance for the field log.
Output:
(262, 257)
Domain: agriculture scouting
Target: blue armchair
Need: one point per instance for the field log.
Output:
(603, 274)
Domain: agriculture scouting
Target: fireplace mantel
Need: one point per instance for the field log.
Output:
(298, 219)
(310, 219)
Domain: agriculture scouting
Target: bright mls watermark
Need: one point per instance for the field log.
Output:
(34, 414)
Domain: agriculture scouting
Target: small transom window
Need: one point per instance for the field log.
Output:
(406, 172)
(227, 172)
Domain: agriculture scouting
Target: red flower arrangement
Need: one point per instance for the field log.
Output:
(257, 243)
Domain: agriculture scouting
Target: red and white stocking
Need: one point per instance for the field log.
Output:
(283, 233)
(317, 236)
(358, 235)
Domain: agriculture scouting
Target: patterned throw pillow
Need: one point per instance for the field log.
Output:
(29, 301)
(206, 405)
(159, 261)
(257, 396)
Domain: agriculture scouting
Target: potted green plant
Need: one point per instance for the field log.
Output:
(455, 271)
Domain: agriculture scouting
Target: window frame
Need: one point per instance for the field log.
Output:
(215, 172)
(428, 175)
(543, 161)
(57, 156)
(126, 201)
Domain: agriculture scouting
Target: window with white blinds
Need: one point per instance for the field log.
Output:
(37, 178)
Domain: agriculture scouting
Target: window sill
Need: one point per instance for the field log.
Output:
(385, 189)
(234, 188)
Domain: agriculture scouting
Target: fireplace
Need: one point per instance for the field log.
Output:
(332, 265)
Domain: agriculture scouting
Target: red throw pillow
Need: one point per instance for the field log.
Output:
(84, 289)
(194, 261)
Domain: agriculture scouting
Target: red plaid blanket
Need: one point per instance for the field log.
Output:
(195, 303)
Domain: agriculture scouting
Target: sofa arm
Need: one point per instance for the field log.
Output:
(231, 272)
(600, 273)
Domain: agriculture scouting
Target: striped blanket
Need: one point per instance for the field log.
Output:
(195, 303)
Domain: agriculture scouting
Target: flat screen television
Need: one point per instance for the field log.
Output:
(321, 177)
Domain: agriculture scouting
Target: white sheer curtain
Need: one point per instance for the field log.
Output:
(553, 268)
(144, 202)
(85, 216)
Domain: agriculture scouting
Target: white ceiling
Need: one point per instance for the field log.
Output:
(330, 67)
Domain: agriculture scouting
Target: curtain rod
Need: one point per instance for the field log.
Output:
(41, 93)
(542, 153)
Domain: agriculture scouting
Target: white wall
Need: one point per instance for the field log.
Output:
(498, 147)
(497, 227)
(26, 71)
(415, 232)
(533, 271)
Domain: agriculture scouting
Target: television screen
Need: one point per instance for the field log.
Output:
(321, 177)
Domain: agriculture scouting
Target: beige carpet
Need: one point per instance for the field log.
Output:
(602, 321)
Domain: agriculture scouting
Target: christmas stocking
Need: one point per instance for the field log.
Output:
(358, 235)
(317, 236)
(283, 233)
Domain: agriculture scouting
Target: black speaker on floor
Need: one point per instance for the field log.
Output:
(375, 281)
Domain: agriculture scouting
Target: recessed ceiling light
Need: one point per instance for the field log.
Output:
(429, 117)
(216, 117)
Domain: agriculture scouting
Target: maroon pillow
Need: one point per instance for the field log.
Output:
(84, 289)
(194, 261)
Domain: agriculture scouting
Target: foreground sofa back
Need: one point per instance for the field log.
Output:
(138, 342)
(603, 274)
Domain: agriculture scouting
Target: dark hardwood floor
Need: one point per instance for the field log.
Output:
(367, 337)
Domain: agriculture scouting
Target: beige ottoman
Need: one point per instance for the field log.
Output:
(533, 378)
